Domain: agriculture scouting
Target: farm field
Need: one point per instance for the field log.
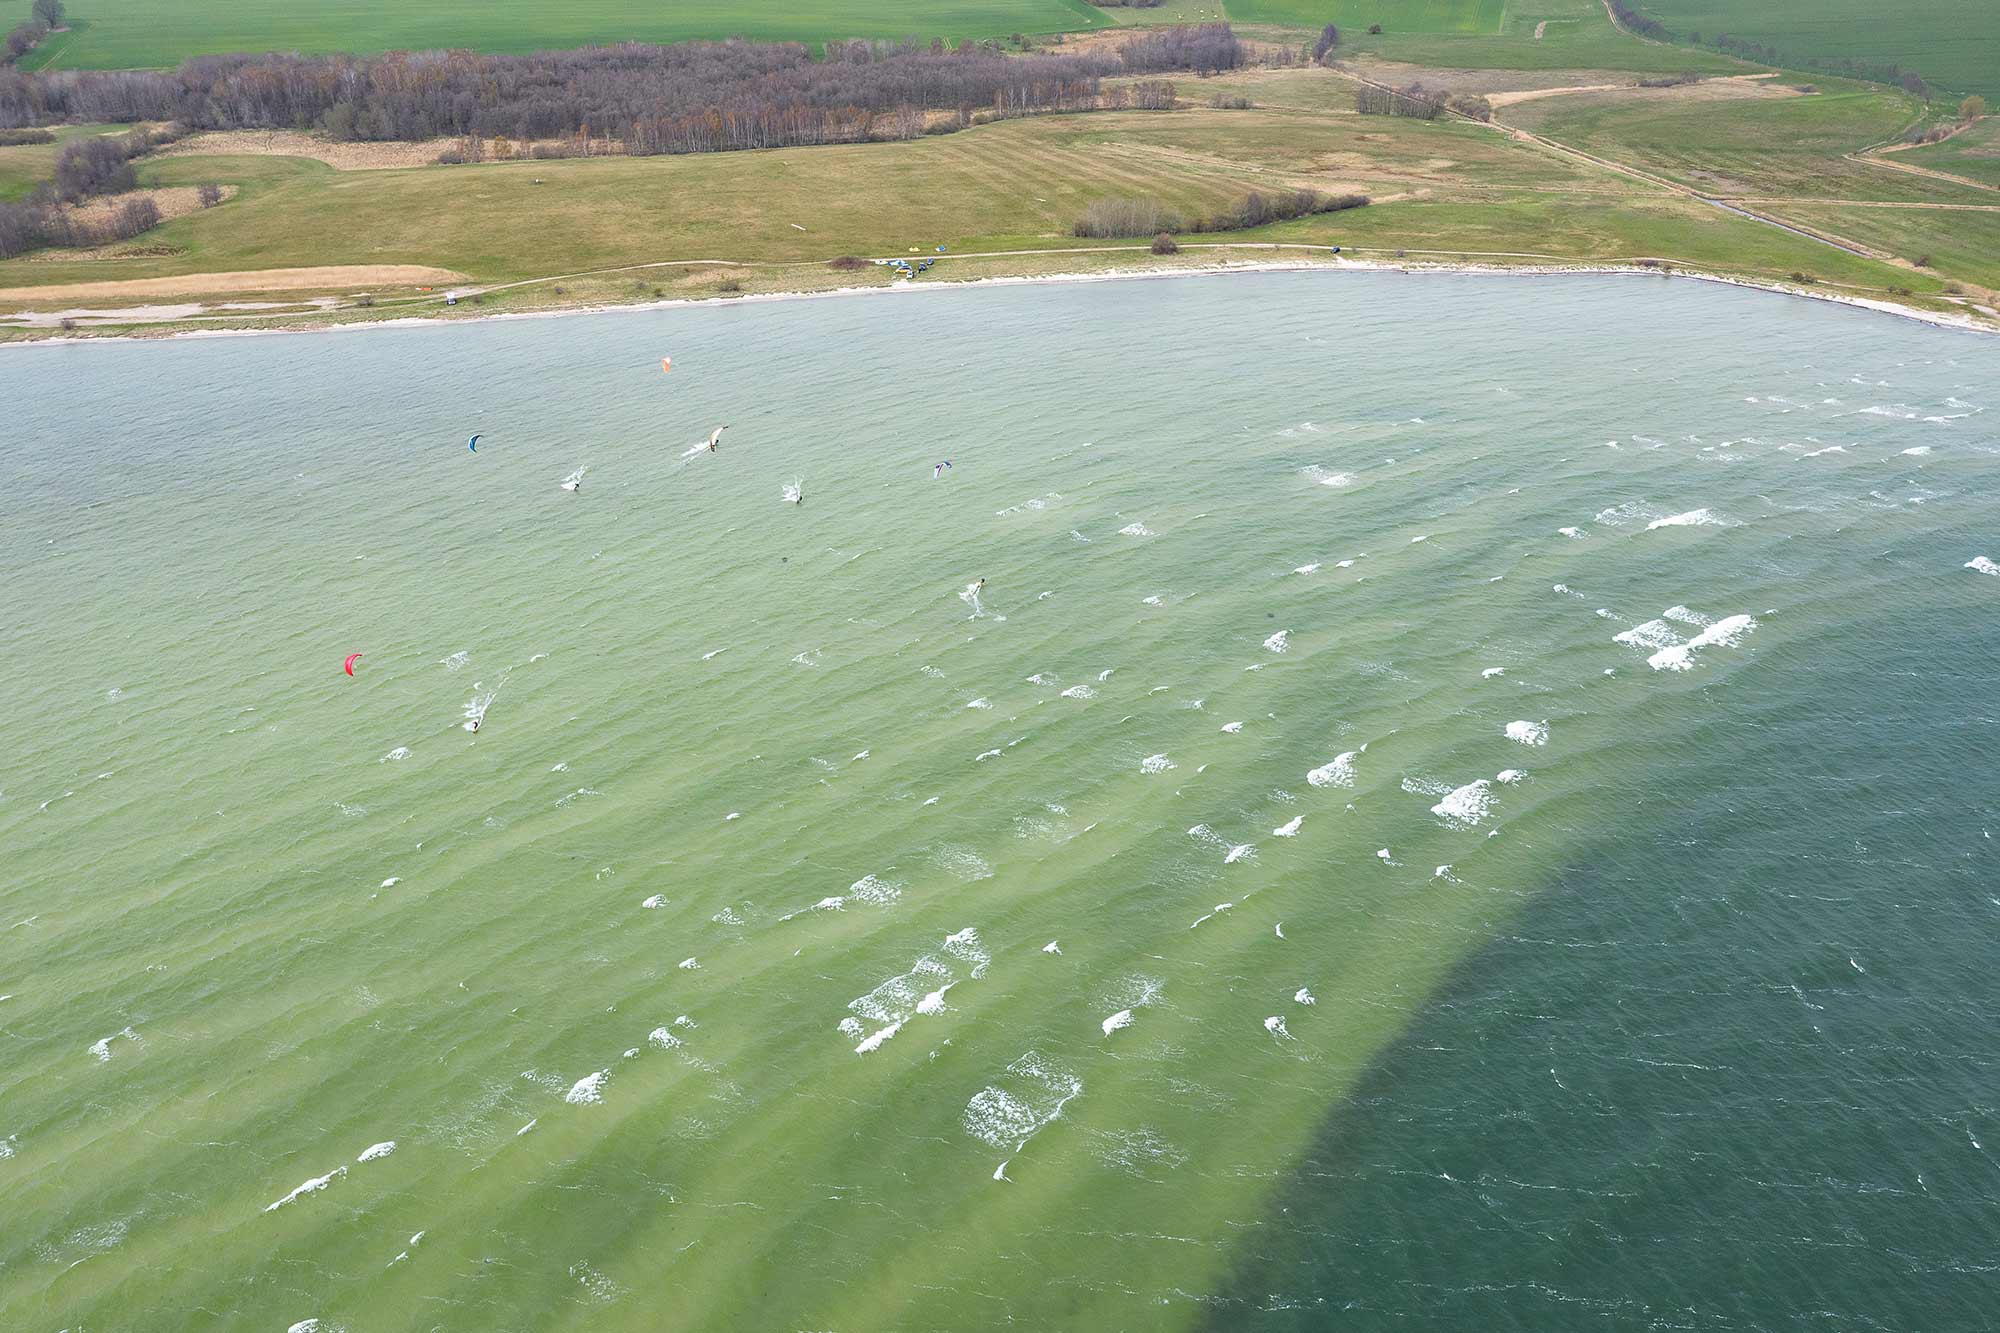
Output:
(146, 34)
(1955, 44)
(1973, 153)
(1464, 16)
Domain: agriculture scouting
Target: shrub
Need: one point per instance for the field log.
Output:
(847, 263)
(1671, 80)
(23, 227)
(1326, 43)
(1954, 289)
(22, 40)
(1225, 102)
(1922, 261)
(1374, 30)
(1472, 107)
(209, 195)
(92, 166)
(1806, 278)
(16, 138)
(67, 324)
(1972, 108)
(1126, 217)
(366, 301)
(1630, 19)
(1164, 244)
(1259, 208)
(134, 216)
(729, 285)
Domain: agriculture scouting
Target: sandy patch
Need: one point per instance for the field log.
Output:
(1730, 88)
(289, 143)
(172, 201)
(1530, 94)
(343, 277)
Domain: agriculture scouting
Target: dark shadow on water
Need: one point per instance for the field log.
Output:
(1733, 1069)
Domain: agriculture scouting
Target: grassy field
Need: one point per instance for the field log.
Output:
(1962, 245)
(1447, 190)
(1953, 43)
(23, 166)
(1973, 153)
(1760, 146)
(1446, 187)
(1469, 16)
(1575, 34)
(140, 34)
(1007, 185)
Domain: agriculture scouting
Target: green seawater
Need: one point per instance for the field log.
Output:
(1305, 888)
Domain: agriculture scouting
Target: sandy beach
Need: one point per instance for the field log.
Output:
(315, 321)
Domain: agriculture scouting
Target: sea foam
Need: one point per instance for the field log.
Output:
(1032, 1093)
(1338, 773)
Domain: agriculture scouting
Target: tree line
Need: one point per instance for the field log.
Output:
(1202, 48)
(690, 97)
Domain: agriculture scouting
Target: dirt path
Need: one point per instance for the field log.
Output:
(1862, 203)
(1499, 100)
(250, 280)
(1868, 156)
(1663, 184)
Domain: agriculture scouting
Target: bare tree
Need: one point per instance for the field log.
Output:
(209, 195)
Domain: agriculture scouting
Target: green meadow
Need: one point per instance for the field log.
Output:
(1972, 153)
(1955, 44)
(145, 34)
(1467, 16)
(24, 166)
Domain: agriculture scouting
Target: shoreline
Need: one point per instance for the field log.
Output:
(1936, 319)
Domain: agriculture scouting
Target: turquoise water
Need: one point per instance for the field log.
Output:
(1579, 929)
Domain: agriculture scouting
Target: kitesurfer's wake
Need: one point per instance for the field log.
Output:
(574, 481)
(971, 598)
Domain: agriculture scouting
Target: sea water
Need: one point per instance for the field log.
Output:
(1461, 801)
